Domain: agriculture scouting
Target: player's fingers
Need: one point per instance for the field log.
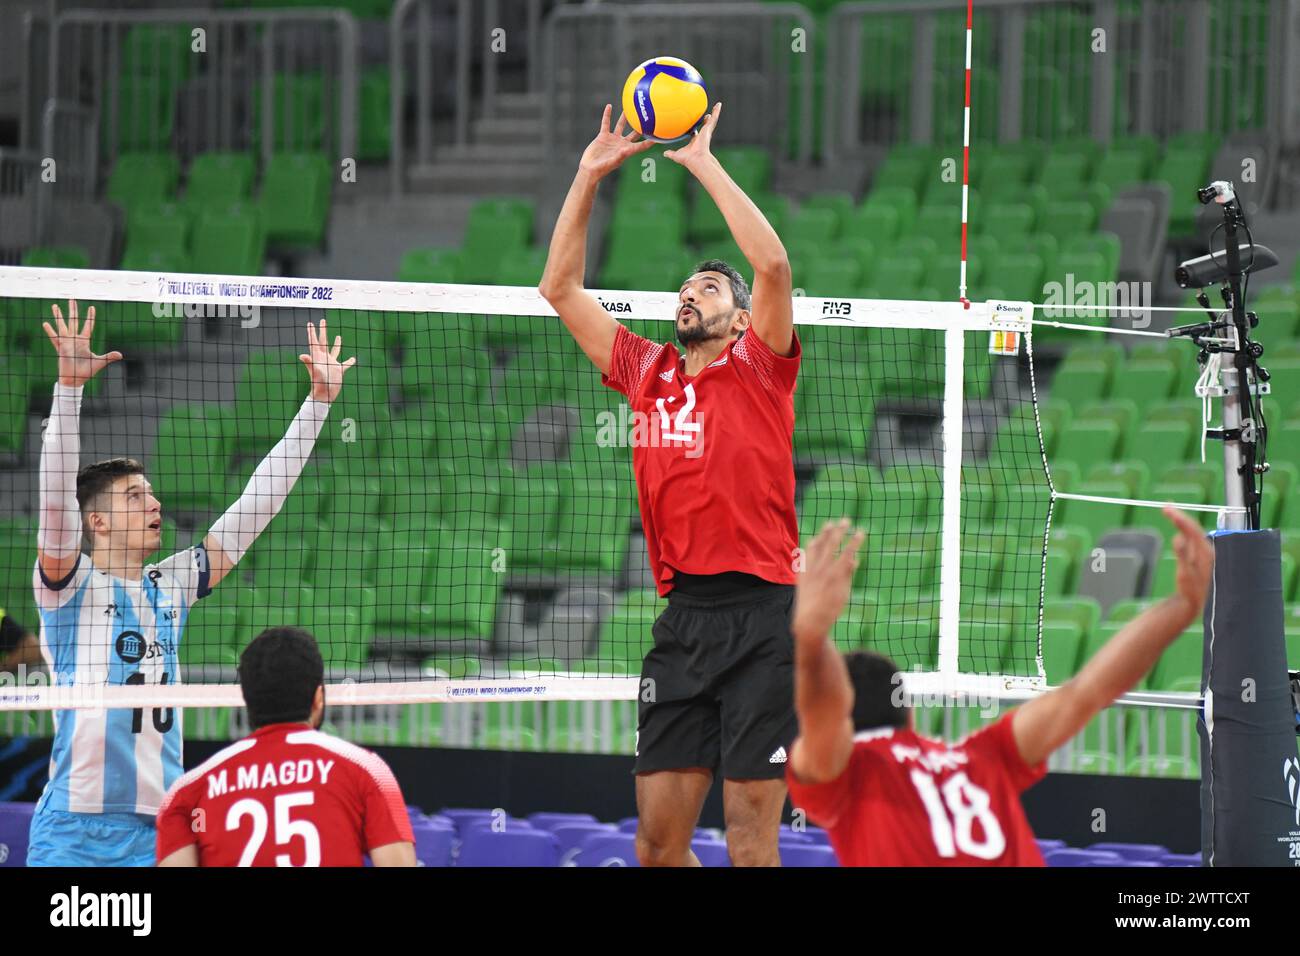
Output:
(349, 363)
(817, 546)
(72, 312)
(306, 360)
(643, 145)
(604, 119)
(621, 125)
(50, 334)
(110, 358)
(836, 535)
(851, 547)
(88, 329)
(1182, 522)
(338, 345)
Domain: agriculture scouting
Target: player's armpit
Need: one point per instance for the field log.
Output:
(772, 315)
(1043, 724)
(219, 563)
(822, 757)
(393, 854)
(591, 326)
(185, 856)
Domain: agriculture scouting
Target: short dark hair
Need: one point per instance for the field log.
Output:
(875, 679)
(279, 673)
(739, 287)
(94, 480)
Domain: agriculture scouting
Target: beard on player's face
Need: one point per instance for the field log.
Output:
(696, 326)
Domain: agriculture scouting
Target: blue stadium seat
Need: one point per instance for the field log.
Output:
(1069, 857)
(15, 823)
(1134, 851)
(549, 821)
(483, 846)
(795, 854)
(433, 842)
(616, 849)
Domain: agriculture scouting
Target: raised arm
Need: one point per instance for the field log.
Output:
(823, 696)
(1045, 723)
(772, 317)
(235, 531)
(58, 541)
(586, 319)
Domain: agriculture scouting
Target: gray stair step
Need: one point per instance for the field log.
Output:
(520, 106)
(507, 132)
(490, 154)
(475, 177)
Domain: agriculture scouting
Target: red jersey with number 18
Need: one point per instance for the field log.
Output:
(286, 795)
(713, 456)
(906, 800)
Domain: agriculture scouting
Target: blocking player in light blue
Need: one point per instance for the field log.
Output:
(107, 617)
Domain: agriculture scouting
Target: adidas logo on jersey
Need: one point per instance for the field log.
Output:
(668, 375)
(778, 757)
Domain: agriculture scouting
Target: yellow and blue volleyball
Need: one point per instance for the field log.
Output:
(664, 98)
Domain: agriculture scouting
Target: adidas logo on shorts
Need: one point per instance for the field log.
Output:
(778, 757)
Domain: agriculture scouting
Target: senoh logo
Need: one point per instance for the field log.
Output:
(837, 308)
(131, 646)
(616, 306)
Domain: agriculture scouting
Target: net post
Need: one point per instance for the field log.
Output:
(954, 350)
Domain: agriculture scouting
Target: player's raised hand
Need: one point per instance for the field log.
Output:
(826, 581)
(1195, 561)
(323, 363)
(701, 143)
(78, 364)
(607, 151)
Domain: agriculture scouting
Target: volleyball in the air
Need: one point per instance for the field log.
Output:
(664, 98)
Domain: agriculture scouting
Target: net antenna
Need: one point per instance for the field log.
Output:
(1242, 381)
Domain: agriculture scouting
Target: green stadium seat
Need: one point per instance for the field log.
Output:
(1185, 169)
(229, 241)
(219, 179)
(1068, 220)
(1127, 163)
(270, 391)
(1133, 475)
(1086, 442)
(495, 229)
(876, 221)
(295, 199)
(298, 112)
(374, 132)
(142, 177)
(1157, 443)
(429, 265)
(146, 114)
(812, 224)
(1061, 643)
(211, 630)
(1179, 667)
(626, 637)
(56, 257)
(1060, 573)
(190, 452)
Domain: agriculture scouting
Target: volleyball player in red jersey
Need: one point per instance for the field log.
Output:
(889, 796)
(715, 483)
(287, 794)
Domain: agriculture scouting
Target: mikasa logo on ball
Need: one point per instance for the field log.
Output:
(641, 105)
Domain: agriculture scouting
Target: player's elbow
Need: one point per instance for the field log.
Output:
(774, 268)
(394, 854)
(556, 291)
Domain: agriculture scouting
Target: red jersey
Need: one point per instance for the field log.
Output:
(713, 456)
(285, 795)
(906, 800)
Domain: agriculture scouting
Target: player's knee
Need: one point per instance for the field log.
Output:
(653, 849)
(748, 845)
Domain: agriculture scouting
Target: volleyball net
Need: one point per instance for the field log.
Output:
(467, 526)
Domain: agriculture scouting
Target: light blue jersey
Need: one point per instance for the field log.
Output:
(100, 629)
